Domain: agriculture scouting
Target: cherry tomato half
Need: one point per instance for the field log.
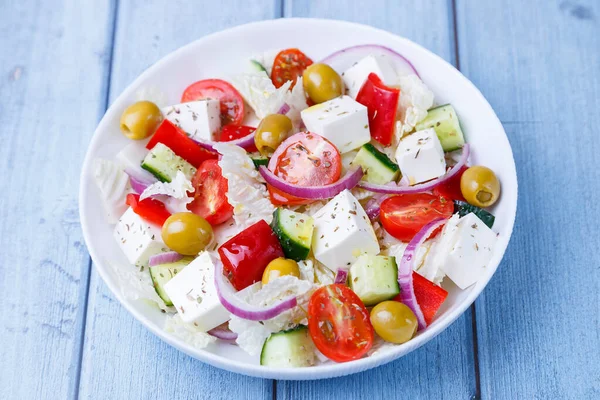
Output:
(232, 104)
(339, 323)
(246, 255)
(308, 160)
(288, 66)
(404, 215)
(210, 195)
(233, 132)
(451, 188)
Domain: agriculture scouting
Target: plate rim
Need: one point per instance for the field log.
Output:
(307, 373)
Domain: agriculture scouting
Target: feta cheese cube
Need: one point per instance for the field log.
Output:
(355, 76)
(471, 251)
(194, 294)
(420, 156)
(342, 232)
(199, 119)
(342, 121)
(137, 238)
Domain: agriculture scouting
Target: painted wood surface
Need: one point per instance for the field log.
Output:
(537, 322)
(53, 71)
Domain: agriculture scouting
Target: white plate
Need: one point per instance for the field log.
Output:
(225, 53)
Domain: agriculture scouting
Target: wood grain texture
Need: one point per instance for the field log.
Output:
(52, 78)
(443, 368)
(121, 358)
(538, 321)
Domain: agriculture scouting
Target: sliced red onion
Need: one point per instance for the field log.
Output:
(341, 276)
(138, 184)
(246, 143)
(422, 187)
(372, 208)
(223, 332)
(164, 258)
(348, 181)
(405, 270)
(285, 108)
(239, 308)
(345, 58)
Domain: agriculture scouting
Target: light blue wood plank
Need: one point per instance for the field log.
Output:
(444, 367)
(121, 358)
(538, 321)
(52, 77)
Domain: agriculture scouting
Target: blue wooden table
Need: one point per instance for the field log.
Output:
(533, 334)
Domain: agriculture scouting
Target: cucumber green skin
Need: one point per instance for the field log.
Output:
(158, 174)
(380, 289)
(463, 209)
(299, 346)
(444, 121)
(260, 161)
(292, 248)
(378, 168)
(168, 271)
(163, 163)
(258, 66)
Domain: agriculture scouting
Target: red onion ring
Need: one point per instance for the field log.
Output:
(348, 181)
(422, 187)
(138, 184)
(239, 308)
(341, 276)
(405, 270)
(355, 53)
(223, 332)
(164, 258)
(285, 108)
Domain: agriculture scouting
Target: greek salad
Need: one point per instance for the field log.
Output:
(309, 212)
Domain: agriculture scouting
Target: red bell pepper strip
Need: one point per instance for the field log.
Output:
(429, 296)
(381, 102)
(246, 255)
(149, 209)
(176, 139)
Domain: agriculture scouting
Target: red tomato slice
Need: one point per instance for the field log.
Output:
(288, 66)
(151, 210)
(308, 160)
(246, 255)
(233, 132)
(381, 102)
(451, 188)
(210, 195)
(339, 323)
(232, 104)
(404, 215)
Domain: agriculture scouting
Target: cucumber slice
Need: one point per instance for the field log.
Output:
(463, 209)
(447, 126)
(163, 163)
(294, 231)
(259, 160)
(378, 168)
(289, 349)
(161, 274)
(258, 67)
(374, 279)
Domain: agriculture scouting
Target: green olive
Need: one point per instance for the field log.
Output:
(280, 267)
(187, 233)
(272, 130)
(480, 186)
(394, 321)
(140, 120)
(321, 83)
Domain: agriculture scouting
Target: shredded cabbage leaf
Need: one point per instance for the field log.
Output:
(136, 284)
(415, 99)
(153, 94)
(188, 333)
(113, 183)
(247, 194)
(266, 59)
(177, 188)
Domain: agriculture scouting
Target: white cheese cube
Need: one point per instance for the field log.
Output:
(355, 76)
(194, 294)
(471, 251)
(342, 232)
(420, 156)
(199, 119)
(137, 238)
(342, 121)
